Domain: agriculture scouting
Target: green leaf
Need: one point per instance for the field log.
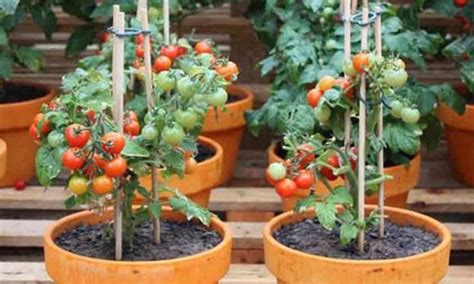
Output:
(133, 149)
(326, 213)
(6, 66)
(45, 18)
(177, 204)
(155, 209)
(449, 96)
(402, 137)
(173, 161)
(70, 202)
(80, 38)
(3, 37)
(29, 57)
(268, 64)
(182, 204)
(305, 203)
(314, 5)
(340, 195)
(348, 233)
(9, 6)
(432, 133)
(47, 166)
(143, 192)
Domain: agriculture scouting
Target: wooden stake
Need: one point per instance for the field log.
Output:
(362, 132)
(346, 4)
(354, 6)
(140, 6)
(150, 104)
(380, 159)
(117, 89)
(166, 21)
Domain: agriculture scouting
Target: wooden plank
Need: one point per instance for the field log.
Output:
(246, 235)
(35, 273)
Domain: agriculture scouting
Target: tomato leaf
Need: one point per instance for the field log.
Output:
(47, 166)
(155, 209)
(340, 195)
(305, 203)
(402, 137)
(70, 202)
(133, 149)
(326, 213)
(348, 233)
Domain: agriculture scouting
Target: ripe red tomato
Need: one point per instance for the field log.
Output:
(139, 39)
(327, 172)
(19, 184)
(102, 185)
(45, 126)
(228, 71)
(313, 96)
(33, 131)
(139, 51)
(116, 167)
(182, 50)
(52, 105)
(203, 47)
(91, 115)
(345, 84)
(162, 63)
(360, 62)
(72, 159)
(286, 187)
(460, 3)
(130, 114)
(305, 153)
(304, 180)
(131, 127)
(170, 51)
(112, 143)
(104, 37)
(77, 135)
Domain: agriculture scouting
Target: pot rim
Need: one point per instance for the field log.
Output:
(48, 240)
(445, 235)
(417, 156)
(242, 92)
(49, 92)
(213, 144)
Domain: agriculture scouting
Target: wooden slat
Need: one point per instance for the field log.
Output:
(34, 273)
(246, 235)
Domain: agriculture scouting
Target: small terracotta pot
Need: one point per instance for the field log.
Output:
(197, 185)
(292, 266)
(65, 267)
(3, 158)
(459, 131)
(227, 127)
(15, 120)
(404, 178)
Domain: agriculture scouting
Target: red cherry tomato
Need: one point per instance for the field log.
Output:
(131, 127)
(182, 50)
(203, 47)
(305, 154)
(170, 51)
(19, 184)
(305, 179)
(313, 97)
(91, 115)
(72, 159)
(104, 37)
(286, 187)
(45, 126)
(112, 143)
(33, 131)
(77, 135)
(360, 62)
(116, 167)
(460, 3)
(345, 84)
(327, 172)
(139, 39)
(162, 63)
(139, 51)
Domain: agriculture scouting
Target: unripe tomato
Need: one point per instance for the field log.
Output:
(102, 185)
(39, 118)
(113, 142)
(55, 139)
(165, 81)
(77, 135)
(313, 97)
(186, 87)
(115, 167)
(139, 51)
(395, 78)
(77, 185)
(186, 118)
(348, 69)
(131, 127)
(269, 179)
(286, 188)
(410, 115)
(304, 180)
(162, 63)
(322, 113)
(72, 159)
(326, 83)
(149, 132)
(327, 172)
(203, 47)
(217, 98)
(173, 135)
(360, 62)
(400, 63)
(396, 107)
(170, 51)
(277, 171)
(190, 165)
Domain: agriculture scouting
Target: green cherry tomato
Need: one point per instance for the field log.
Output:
(55, 139)
(396, 108)
(186, 87)
(331, 44)
(205, 58)
(217, 98)
(199, 98)
(348, 69)
(327, 12)
(149, 132)
(187, 119)
(396, 78)
(165, 81)
(195, 70)
(277, 171)
(322, 113)
(173, 135)
(77, 185)
(410, 115)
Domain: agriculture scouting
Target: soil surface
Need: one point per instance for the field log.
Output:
(233, 98)
(18, 93)
(178, 239)
(204, 153)
(400, 241)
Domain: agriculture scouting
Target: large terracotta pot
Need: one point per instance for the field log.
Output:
(3, 158)
(15, 120)
(66, 268)
(227, 127)
(198, 185)
(404, 178)
(459, 131)
(295, 267)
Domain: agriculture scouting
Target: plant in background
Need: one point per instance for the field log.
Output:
(305, 50)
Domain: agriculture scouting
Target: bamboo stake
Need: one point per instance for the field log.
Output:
(150, 104)
(117, 89)
(362, 132)
(381, 193)
(166, 21)
(140, 6)
(346, 12)
(354, 6)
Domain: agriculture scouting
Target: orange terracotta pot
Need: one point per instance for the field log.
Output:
(227, 127)
(3, 158)
(459, 131)
(295, 267)
(198, 185)
(15, 120)
(404, 178)
(66, 268)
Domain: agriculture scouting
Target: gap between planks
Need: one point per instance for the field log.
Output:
(246, 235)
(34, 272)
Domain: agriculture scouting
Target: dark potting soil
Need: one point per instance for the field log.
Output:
(18, 93)
(178, 239)
(233, 98)
(400, 241)
(204, 153)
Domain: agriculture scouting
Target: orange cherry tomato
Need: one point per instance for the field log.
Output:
(102, 185)
(360, 62)
(313, 97)
(115, 167)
